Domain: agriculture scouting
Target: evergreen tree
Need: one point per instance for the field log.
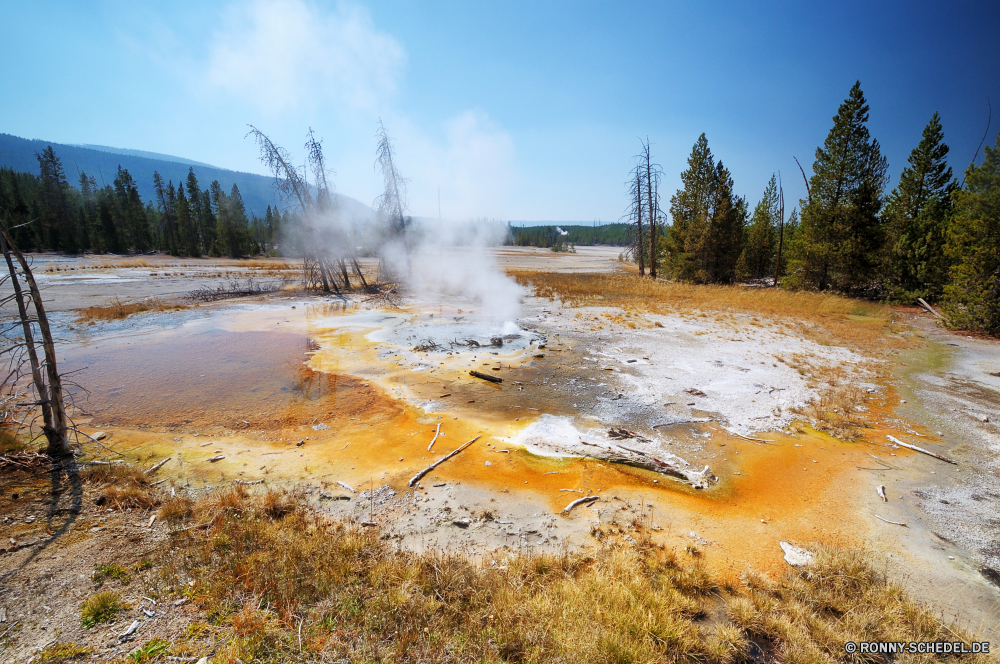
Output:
(165, 197)
(130, 215)
(972, 300)
(88, 214)
(58, 223)
(757, 259)
(106, 221)
(706, 238)
(185, 224)
(841, 232)
(235, 233)
(208, 224)
(916, 221)
(197, 213)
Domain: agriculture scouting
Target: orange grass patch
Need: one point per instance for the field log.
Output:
(115, 309)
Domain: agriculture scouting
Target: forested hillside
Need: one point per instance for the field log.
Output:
(102, 164)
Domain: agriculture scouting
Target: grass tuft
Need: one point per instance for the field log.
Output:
(101, 607)
(61, 652)
(115, 309)
(112, 571)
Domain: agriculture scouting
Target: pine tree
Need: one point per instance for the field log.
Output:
(841, 232)
(185, 224)
(130, 214)
(757, 259)
(197, 213)
(972, 299)
(58, 222)
(706, 238)
(916, 221)
(164, 202)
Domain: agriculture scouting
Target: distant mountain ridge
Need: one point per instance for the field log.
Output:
(102, 162)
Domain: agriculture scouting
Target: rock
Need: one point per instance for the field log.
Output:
(795, 556)
(462, 523)
(100, 435)
(321, 427)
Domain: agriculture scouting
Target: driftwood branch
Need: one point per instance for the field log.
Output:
(579, 501)
(929, 308)
(492, 379)
(436, 434)
(157, 466)
(921, 450)
(895, 523)
(416, 478)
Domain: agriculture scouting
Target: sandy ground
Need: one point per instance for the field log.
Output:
(365, 390)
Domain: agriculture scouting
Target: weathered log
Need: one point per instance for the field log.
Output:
(921, 450)
(436, 434)
(579, 501)
(895, 523)
(492, 379)
(157, 466)
(929, 308)
(416, 478)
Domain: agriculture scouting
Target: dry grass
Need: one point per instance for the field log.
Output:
(287, 583)
(862, 326)
(101, 607)
(123, 486)
(115, 309)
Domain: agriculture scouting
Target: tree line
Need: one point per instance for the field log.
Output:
(930, 237)
(46, 213)
(550, 237)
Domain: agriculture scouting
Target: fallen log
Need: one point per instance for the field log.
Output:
(216, 458)
(492, 379)
(579, 501)
(345, 486)
(929, 308)
(416, 478)
(921, 450)
(436, 434)
(895, 523)
(157, 466)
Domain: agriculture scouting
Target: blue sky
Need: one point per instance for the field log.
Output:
(514, 110)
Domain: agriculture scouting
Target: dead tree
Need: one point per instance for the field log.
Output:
(636, 218)
(391, 205)
(653, 174)
(48, 386)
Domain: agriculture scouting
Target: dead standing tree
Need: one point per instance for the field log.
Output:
(653, 174)
(391, 205)
(636, 218)
(47, 385)
(326, 247)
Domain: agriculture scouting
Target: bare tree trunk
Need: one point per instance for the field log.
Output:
(56, 430)
(322, 274)
(29, 340)
(640, 242)
(652, 223)
(343, 272)
(357, 271)
(781, 233)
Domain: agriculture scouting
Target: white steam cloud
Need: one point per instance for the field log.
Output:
(281, 54)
